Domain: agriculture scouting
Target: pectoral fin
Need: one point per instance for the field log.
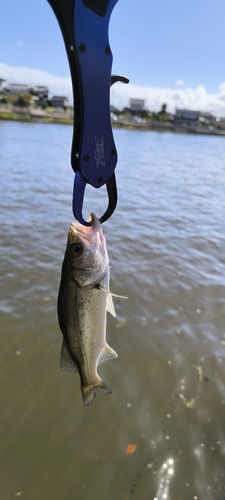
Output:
(107, 353)
(67, 363)
(109, 304)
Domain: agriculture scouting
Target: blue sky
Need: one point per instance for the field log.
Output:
(171, 50)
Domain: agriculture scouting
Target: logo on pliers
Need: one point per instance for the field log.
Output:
(99, 151)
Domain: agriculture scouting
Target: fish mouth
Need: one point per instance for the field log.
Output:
(89, 233)
(95, 222)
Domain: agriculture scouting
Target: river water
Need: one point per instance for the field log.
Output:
(166, 243)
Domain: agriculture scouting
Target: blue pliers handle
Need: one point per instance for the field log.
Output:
(84, 25)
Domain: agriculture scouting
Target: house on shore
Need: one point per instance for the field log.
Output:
(17, 88)
(114, 113)
(137, 105)
(58, 101)
(186, 117)
(221, 122)
(207, 117)
(1, 82)
(40, 95)
(114, 110)
(192, 119)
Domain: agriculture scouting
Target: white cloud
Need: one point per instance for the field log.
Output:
(190, 98)
(56, 84)
(179, 83)
(186, 97)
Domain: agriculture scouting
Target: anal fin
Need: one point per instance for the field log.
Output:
(107, 353)
(67, 363)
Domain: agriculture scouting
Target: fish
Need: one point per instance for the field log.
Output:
(83, 301)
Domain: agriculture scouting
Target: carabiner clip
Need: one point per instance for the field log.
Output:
(78, 197)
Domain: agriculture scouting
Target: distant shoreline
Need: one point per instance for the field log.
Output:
(33, 115)
(167, 127)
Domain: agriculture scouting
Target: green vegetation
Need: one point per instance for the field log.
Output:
(145, 114)
(27, 117)
(23, 108)
(4, 115)
(7, 115)
(52, 119)
(24, 100)
(8, 100)
(16, 108)
(162, 115)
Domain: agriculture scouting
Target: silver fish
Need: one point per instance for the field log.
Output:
(83, 300)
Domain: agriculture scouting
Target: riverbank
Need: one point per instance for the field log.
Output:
(167, 127)
(35, 115)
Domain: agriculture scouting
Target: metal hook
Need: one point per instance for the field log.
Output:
(112, 195)
(78, 197)
(118, 78)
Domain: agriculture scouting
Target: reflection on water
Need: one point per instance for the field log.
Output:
(166, 245)
(164, 477)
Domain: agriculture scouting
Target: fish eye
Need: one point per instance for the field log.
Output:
(76, 250)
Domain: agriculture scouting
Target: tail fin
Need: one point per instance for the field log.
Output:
(88, 391)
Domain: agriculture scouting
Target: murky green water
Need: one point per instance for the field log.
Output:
(166, 243)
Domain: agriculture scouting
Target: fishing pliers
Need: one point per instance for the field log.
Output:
(84, 25)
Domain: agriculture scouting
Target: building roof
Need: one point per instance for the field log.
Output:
(40, 88)
(59, 98)
(206, 114)
(17, 88)
(187, 111)
(113, 109)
